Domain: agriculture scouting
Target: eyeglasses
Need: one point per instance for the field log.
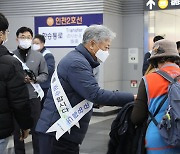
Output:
(25, 38)
(6, 31)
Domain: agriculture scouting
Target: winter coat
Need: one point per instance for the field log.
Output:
(49, 58)
(75, 72)
(13, 95)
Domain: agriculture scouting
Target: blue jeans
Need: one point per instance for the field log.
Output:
(3, 145)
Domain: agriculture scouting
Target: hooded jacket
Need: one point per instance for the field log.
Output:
(13, 95)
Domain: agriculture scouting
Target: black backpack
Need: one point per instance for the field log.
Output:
(125, 137)
(169, 127)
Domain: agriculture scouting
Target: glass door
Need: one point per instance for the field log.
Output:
(162, 22)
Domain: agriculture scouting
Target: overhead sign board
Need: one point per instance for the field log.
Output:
(152, 5)
(65, 31)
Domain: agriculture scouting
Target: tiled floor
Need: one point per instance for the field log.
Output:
(96, 139)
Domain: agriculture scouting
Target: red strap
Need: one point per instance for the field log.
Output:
(160, 148)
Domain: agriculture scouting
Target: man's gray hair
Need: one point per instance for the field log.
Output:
(98, 33)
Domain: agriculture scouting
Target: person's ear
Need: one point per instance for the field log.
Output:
(1, 35)
(92, 43)
(16, 39)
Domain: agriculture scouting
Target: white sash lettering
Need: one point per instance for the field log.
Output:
(69, 116)
(37, 87)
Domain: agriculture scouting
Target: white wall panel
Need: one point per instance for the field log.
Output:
(127, 23)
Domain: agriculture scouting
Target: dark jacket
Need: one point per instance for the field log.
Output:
(75, 72)
(36, 63)
(13, 95)
(146, 62)
(49, 58)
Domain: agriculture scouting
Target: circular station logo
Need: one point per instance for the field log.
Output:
(50, 21)
(163, 4)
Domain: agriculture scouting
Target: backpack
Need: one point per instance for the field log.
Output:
(169, 126)
(125, 137)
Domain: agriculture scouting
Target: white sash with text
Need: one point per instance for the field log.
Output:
(36, 86)
(69, 116)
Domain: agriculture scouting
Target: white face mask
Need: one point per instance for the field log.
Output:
(102, 55)
(25, 43)
(36, 47)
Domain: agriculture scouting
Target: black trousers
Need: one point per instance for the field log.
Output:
(49, 145)
(35, 113)
(45, 95)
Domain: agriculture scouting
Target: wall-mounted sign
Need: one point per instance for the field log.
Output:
(133, 55)
(133, 83)
(151, 5)
(62, 36)
(65, 31)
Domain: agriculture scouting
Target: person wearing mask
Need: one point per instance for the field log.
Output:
(152, 90)
(14, 96)
(75, 76)
(35, 70)
(148, 54)
(38, 45)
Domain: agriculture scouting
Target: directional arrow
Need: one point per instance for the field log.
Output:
(150, 3)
